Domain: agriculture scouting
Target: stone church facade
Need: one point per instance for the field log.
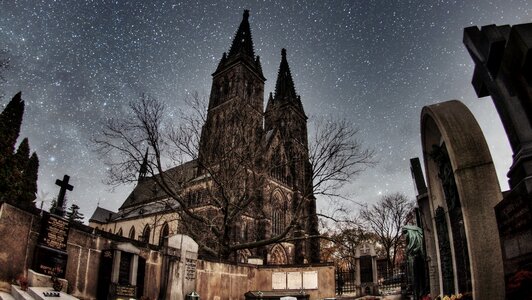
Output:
(270, 144)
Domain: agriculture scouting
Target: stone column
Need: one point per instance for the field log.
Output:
(116, 266)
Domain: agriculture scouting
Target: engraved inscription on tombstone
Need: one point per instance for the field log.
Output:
(190, 269)
(54, 233)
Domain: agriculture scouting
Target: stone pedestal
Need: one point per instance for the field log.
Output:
(42, 280)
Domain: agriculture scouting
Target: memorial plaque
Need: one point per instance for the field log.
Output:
(366, 269)
(279, 280)
(293, 281)
(310, 280)
(190, 269)
(54, 232)
(49, 261)
(126, 291)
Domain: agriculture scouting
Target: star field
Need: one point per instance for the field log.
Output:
(375, 63)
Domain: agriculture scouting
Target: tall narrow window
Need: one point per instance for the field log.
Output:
(132, 232)
(146, 234)
(164, 234)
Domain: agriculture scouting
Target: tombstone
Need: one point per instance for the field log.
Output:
(181, 266)
(462, 191)
(503, 70)
(366, 270)
(121, 273)
(51, 251)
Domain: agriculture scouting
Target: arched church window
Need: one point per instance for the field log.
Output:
(132, 232)
(164, 234)
(119, 232)
(146, 234)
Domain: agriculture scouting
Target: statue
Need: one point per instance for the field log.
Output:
(415, 260)
(414, 236)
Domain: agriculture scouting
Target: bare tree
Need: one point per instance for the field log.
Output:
(213, 202)
(385, 219)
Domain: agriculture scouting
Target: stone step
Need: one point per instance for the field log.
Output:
(37, 293)
(19, 294)
(6, 296)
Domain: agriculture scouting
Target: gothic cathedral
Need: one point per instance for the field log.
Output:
(270, 146)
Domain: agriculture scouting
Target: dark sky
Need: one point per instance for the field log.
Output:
(374, 63)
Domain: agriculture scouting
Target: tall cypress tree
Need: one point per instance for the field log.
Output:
(18, 171)
(10, 122)
(28, 188)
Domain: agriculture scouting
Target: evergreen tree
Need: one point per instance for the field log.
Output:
(29, 182)
(73, 214)
(18, 171)
(53, 204)
(10, 122)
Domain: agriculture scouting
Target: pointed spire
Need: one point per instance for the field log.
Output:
(284, 87)
(270, 104)
(144, 166)
(242, 43)
(222, 62)
(258, 64)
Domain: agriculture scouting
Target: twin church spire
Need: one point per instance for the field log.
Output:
(242, 49)
(238, 90)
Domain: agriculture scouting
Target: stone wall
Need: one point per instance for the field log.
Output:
(218, 281)
(19, 231)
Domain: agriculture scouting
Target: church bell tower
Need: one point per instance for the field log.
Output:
(234, 116)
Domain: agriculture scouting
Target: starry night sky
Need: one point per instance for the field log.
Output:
(375, 63)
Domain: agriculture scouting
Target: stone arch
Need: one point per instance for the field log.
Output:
(163, 235)
(119, 232)
(470, 194)
(146, 234)
(278, 204)
(243, 255)
(131, 234)
(278, 255)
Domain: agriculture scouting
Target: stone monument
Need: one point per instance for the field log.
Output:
(51, 251)
(503, 70)
(462, 190)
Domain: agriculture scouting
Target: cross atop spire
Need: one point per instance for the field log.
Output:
(242, 42)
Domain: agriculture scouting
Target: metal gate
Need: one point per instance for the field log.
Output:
(345, 281)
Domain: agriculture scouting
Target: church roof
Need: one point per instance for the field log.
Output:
(147, 190)
(101, 215)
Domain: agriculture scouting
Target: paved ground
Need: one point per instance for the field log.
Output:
(352, 297)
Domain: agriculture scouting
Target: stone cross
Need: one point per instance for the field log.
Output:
(503, 70)
(61, 198)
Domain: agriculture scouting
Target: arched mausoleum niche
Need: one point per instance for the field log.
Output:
(463, 190)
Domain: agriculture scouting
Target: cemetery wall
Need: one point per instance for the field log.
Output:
(216, 280)
(18, 236)
(19, 232)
